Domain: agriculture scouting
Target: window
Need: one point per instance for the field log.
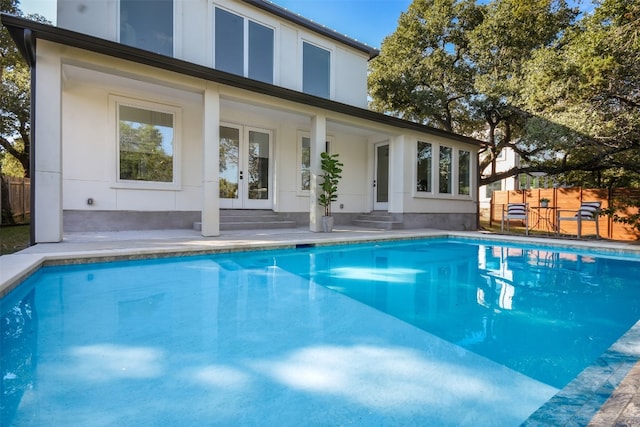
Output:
(316, 69)
(260, 52)
(229, 31)
(444, 186)
(424, 161)
(230, 47)
(305, 164)
(464, 172)
(490, 188)
(146, 144)
(147, 24)
(304, 161)
(523, 181)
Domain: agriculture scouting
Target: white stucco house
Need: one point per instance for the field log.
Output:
(165, 113)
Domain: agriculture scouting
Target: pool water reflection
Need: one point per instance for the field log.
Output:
(261, 337)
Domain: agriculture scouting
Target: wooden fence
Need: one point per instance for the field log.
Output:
(544, 219)
(15, 199)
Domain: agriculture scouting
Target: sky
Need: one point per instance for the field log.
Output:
(368, 21)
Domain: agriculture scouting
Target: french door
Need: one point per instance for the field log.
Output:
(245, 167)
(381, 180)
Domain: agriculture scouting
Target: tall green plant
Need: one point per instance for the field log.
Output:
(331, 168)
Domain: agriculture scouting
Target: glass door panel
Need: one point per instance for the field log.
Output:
(381, 189)
(229, 167)
(258, 165)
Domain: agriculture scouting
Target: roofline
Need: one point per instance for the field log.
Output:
(274, 9)
(25, 33)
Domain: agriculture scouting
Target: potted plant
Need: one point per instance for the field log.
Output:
(544, 202)
(331, 168)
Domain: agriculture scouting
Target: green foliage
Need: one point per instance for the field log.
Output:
(422, 73)
(331, 168)
(15, 96)
(625, 210)
(459, 66)
(588, 84)
(9, 165)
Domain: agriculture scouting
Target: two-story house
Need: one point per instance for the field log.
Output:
(161, 113)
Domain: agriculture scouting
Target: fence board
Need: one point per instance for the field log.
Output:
(15, 199)
(569, 199)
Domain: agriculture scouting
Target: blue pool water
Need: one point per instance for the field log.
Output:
(450, 333)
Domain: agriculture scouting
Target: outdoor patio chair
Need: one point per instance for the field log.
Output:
(516, 211)
(588, 211)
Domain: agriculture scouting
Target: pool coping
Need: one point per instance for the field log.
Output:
(600, 394)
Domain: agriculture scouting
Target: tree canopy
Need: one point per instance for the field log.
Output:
(559, 88)
(15, 100)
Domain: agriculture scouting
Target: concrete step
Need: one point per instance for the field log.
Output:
(252, 219)
(257, 225)
(381, 225)
(378, 220)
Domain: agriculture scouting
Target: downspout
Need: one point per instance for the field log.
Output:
(29, 48)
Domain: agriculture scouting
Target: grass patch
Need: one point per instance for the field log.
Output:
(13, 238)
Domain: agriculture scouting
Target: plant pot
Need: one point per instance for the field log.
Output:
(544, 204)
(327, 224)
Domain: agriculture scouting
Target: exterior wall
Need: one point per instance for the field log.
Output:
(77, 149)
(193, 41)
(90, 147)
(408, 200)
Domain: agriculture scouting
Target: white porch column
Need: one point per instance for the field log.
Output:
(210, 163)
(317, 146)
(399, 172)
(47, 173)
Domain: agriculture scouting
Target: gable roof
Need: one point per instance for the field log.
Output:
(281, 12)
(25, 33)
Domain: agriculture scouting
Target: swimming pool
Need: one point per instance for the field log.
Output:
(262, 338)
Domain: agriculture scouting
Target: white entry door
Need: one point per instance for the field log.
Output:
(381, 180)
(245, 168)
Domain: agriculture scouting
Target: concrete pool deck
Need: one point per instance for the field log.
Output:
(620, 390)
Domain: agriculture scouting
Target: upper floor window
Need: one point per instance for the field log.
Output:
(316, 70)
(230, 34)
(147, 24)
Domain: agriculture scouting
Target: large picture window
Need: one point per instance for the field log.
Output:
(147, 24)
(464, 172)
(316, 70)
(445, 165)
(424, 162)
(146, 144)
(230, 56)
